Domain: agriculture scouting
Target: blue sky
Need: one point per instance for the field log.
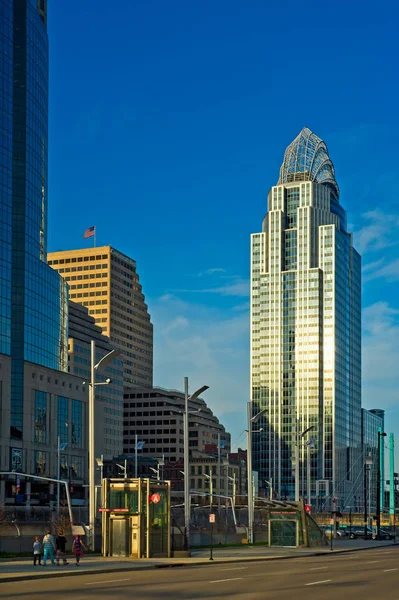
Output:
(168, 124)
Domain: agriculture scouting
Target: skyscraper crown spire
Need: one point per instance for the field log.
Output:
(307, 159)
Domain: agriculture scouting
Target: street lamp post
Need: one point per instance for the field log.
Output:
(92, 462)
(233, 479)
(251, 420)
(193, 396)
(60, 448)
(210, 489)
(367, 465)
(380, 435)
(123, 468)
(219, 476)
(298, 437)
(137, 446)
(158, 469)
(270, 484)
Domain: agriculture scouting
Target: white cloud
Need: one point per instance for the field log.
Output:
(237, 286)
(380, 352)
(379, 231)
(177, 323)
(201, 343)
(379, 270)
(380, 362)
(212, 271)
(243, 306)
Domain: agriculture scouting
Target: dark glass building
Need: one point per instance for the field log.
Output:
(33, 297)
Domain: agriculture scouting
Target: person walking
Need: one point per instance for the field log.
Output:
(77, 549)
(37, 551)
(60, 543)
(49, 547)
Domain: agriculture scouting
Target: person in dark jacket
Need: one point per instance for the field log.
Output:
(60, 543)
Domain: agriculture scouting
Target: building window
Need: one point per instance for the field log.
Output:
(40, 463)
(63, 419)
(64, 466)
(40, 417)
(76, 425)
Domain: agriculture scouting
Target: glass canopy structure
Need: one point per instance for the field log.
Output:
(307, 159)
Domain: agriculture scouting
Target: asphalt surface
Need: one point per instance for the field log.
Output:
(369, 575)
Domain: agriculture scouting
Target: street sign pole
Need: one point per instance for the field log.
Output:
(212, 521)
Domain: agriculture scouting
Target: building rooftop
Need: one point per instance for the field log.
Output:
(307, 159)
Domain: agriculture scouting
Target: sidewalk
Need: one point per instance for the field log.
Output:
(22, 570)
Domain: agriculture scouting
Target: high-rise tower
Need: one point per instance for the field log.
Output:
(305, 332)
(106, 281)
(33, 298)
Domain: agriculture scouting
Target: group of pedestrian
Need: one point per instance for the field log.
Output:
(50, 546)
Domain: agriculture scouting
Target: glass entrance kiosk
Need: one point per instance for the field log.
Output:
(136, 518)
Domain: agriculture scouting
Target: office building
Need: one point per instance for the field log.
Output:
(55, 405)
(306, 332)
(156, 416)
(33, 299)
(108, 426)
(372, 423)
(106, 282)
(203, 469)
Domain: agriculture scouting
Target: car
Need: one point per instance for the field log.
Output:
(356, 531)
(327, 531)
(384, 535)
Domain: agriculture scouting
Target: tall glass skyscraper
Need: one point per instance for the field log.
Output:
(33, 298)
(306, 333)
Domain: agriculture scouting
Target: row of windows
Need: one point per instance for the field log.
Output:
(63, 261)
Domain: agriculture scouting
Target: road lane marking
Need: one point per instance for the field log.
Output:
(236, 569)
(109, 581)
(317, 568)
(318, 582)
(222, 580)
(371, 562)
(387, 570)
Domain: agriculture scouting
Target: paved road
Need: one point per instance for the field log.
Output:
(370, 575)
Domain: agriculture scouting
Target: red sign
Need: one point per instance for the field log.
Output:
(308, 508)
(212, 518)
(113, 510)
(155, 498)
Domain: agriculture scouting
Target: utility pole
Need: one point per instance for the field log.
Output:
(297, 461)
(379, 476)
(92, 489)
(135, 455)
(308, 473)
(219, 475)
(250, 488)
(186, 466)
(391, 478)
(365, 499)
(92, 460)
(187, 511)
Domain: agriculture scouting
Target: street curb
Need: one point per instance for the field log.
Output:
(195, 563)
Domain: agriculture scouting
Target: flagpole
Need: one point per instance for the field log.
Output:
(95, 231)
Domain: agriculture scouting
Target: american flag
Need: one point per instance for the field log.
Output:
(90, 231)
